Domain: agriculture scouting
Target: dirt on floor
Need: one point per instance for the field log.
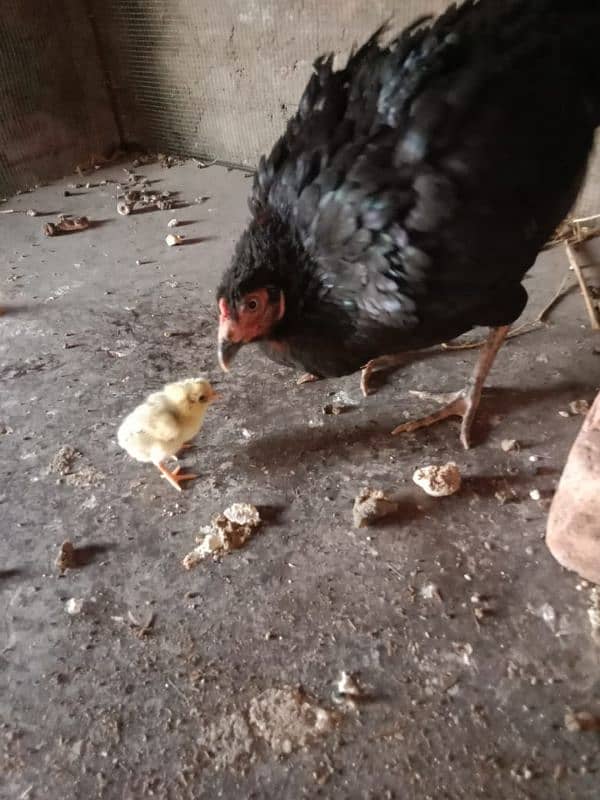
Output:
(126, 676)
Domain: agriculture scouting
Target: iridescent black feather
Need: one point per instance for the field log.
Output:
(414, 188)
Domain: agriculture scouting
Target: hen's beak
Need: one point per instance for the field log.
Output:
(226, 352)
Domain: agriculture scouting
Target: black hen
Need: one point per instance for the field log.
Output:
(414, 189)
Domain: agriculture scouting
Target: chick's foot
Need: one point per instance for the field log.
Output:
(175, 476)
(466, 402)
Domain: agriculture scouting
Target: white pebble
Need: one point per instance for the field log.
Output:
(535, 494)
(172, 223)
(173, 239)
(74, 606)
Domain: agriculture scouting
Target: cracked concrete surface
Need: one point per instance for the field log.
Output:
(471, 641)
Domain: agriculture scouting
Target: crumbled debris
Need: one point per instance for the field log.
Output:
(576, 721)
(438, 481)
(228, 742)
(85, 477)
(74, 606)
(348, 690)
(140, 628)
(62, 463)
(227, 531)
(580, 407)
(509, 444)
(287, 719)
(371, 505)
(505, 494)
(172, 223)
(594, 609)
(429, 591)
(522, 773)
(65, 224)
(336, 409)
(173, 239)
(66, 558)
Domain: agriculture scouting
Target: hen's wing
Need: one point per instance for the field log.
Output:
(369, 171)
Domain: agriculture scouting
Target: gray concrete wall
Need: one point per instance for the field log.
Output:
(54, 107)
(217, 78)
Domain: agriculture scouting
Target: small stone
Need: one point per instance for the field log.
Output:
(509, 444)
(535, 494)
(172, 223)
(563, 414)
(74, 606)
(438, 481)
(579, 407)
(173, 239)
(347, 686)
(31, 212)
(66, 558)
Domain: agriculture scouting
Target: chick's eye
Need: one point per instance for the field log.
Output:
(252, 304)
(201, 398)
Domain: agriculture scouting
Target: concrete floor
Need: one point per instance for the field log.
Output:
(458, 707)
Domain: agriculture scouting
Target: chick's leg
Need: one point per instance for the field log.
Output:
(466, 402)
(175, 476)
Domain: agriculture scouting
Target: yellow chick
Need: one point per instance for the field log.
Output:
(162, 426)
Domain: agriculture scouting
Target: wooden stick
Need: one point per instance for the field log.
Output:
(587, 297)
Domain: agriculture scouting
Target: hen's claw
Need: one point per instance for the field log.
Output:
(458, 404)
(175, 476)
(307, 378)
(377, 365)
(466, 402)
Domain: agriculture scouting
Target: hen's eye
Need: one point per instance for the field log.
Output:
(252, 304)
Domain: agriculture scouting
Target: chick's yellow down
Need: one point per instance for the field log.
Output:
(165, 423)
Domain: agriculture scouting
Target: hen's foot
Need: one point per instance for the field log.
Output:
(175, 476)
(466, 402)
(377, 365)
(457, 404)
(307, 378)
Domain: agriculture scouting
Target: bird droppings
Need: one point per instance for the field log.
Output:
(66, 558)
(579, 407)
(371, 505)
(74, 606)
(65, 224)
(535, 494)
(509, 444)
(438, 481)
(63, 461)
(227, 531)
(285, 719)
(173, 239)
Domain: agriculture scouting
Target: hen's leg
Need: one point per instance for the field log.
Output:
(175, 476)
(378, 364)
(466, 402)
